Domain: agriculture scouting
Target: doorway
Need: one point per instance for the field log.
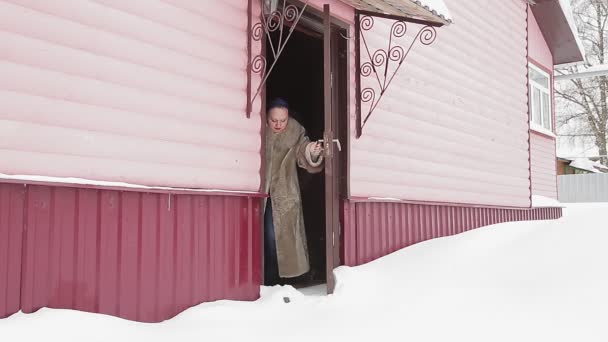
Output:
(298, 78)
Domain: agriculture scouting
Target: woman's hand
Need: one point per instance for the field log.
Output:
(316, 150)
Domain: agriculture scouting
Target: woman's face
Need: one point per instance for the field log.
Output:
(277, 119)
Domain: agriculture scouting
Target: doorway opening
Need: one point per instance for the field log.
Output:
(298, 78)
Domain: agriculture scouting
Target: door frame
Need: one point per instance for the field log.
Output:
(339, 98)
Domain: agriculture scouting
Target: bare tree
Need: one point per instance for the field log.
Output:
(584, 114)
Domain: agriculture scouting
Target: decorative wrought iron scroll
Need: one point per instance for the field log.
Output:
(288, 15)
(383, 64)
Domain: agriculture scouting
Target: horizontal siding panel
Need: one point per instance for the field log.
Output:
(115, 46)
(85, 144)
(186, 113)
(461, 117)
(424, 169)
(430, 193)
(434, 164)
(104, 18)
(59, 85)
(543, 164)
(462, 128)
(67, 114)
(148, 92)
(113, 170)
(181, 17)
(39, 54)
(462, 143)
(453, 125)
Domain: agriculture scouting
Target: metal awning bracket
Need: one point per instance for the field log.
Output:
(272, 19)
(383, 64)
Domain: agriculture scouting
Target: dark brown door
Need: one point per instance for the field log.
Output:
(332, 150)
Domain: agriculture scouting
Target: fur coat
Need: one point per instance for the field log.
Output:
(285, 150)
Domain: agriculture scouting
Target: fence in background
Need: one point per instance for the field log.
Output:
(592, 187)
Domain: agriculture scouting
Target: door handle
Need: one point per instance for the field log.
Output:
(336, 141)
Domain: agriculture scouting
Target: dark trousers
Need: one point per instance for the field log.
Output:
(271, 264)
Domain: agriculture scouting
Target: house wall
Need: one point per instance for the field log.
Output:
(542, 146)
(448, 105)
(375, 229)
(139, 256)
(150, 92)
(544, 168)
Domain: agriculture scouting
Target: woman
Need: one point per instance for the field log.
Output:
(287, 145)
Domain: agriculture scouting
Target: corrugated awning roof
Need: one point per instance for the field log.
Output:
(429, 10)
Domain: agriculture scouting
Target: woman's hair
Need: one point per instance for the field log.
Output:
(278, 103)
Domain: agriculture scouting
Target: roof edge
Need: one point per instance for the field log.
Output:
(569, 14)
(445, 14)
(556, 22)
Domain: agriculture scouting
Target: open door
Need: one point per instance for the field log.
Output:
(332, 149)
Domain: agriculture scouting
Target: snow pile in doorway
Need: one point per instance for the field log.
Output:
(523, 281)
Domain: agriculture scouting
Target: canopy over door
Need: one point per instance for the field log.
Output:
(428, 10)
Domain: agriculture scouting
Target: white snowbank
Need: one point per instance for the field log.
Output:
(521, 281)
(545, 202)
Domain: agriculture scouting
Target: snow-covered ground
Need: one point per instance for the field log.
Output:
(530, 281)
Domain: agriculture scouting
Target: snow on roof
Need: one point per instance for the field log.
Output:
(584, 164)
(599, 165)
(437, 7)
(429, 10)
(567, 9)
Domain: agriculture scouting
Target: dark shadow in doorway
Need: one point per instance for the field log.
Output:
(298, 78)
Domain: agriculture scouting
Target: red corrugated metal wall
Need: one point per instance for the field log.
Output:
(375, 229)
(12, 198)
(140, 256)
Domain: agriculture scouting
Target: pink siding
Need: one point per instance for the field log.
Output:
(140, 256)
(150, 92)
(538, 50)
(375, 229)
(542, 147)
(451, 128)
(544, 169)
